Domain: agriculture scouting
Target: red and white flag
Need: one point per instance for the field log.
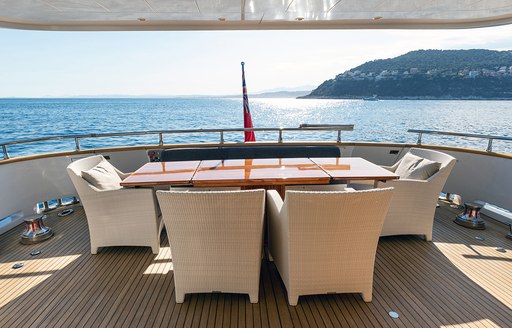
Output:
(249, 135)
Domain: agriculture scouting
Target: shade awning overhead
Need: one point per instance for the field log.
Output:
(251, 14)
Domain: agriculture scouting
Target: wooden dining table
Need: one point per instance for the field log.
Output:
(251, 173)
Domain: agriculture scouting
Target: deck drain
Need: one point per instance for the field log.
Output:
(35, 252)
(480, 238)
(65, 212)
(17, 266)
(501, 249)
(393, 314)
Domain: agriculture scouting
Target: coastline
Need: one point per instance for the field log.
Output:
(411, 98)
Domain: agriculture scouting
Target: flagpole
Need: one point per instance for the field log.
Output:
(248, 135)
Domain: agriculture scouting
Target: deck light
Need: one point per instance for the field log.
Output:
(222, 19)
(393, 314)
(35, 252)
(299, 18)
(18, 266)
(141, 19)
(377, 17)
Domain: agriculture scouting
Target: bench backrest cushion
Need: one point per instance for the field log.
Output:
(208, 153)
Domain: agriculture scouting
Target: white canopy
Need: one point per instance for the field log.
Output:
(251, 14)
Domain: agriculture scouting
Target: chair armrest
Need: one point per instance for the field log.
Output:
(389, 168)
(141, 198)
(124, 175)
(274, 202)
(403, 183)
(121, 174)
(393, 167)
(411, 193)
(278, 233)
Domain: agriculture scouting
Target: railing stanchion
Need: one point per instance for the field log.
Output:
(221, 137)
(280, 138)
(489, 145)
(339, 136)
(77, 144)
(6, 154)
(419, 138)
(160, 139)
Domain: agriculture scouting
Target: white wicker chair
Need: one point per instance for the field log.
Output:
(325, 242)
(414, 201)
(123, 217)
(216, 240)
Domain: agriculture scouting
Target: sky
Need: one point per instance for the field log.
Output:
(66, 64)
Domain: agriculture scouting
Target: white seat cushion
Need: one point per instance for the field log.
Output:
(103, 176)
(417, 168)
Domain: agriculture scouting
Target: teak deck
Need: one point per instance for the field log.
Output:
(456, 280)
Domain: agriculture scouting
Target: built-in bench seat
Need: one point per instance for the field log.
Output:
(241, 152)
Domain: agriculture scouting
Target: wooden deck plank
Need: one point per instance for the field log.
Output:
(309, 314)
(170, 307)
(51, 258)
(281, 297)
(205, 312)
(455, 280)
(270, 299)
(19, 283)
(433, 290)
(249, 314)
(261, 308)
(212, 312)
(87, 299)
(404, 297)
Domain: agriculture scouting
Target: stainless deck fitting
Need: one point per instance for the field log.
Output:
(470, 218)
(65, 212)
(47, 207)
(35, 230)
(18, 265)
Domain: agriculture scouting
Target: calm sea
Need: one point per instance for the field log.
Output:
(385, 120)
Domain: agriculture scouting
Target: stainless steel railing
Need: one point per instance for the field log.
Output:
(302, 127)
(490, 138)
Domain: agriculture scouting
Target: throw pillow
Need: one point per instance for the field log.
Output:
(103, 176)
(418, 168)
(407, 164)
(424, 170)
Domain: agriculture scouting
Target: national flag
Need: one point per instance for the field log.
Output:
(249, 135)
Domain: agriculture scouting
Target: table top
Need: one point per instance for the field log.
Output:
(162, 173)
(271, 171)
(353, 168)
(247, 172)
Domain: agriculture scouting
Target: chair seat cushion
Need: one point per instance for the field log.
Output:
(103, 176)
(417, 168)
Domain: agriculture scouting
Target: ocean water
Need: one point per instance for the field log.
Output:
(385, 120)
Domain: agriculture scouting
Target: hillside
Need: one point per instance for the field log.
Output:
(426, 74)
